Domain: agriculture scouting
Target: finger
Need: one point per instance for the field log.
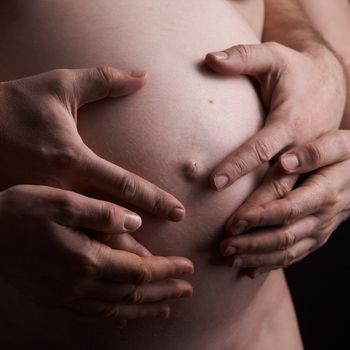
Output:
(121, 184)
(270, 239)
(104, 310)
(330, 148)
(122, 266)
(87, 85)
(312, 196)
(247, 59)
(73, 209)
(138, 294)
(276, 185)
(260, 149)
(121, 242)
(275, 259)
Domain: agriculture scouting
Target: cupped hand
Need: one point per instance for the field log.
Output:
(304, 94)
(47, 255)
(40, 144)
(283, 223)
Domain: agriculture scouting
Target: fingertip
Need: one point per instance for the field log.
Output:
(139, 74)
(289, 163)
(177, 214)
(220, 182)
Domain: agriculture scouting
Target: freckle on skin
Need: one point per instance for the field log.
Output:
(211, 102)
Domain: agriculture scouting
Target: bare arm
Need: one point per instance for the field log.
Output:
(332, 20)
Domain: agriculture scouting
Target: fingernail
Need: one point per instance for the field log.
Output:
(138, 73)
(132, 222)
(239, 228)
(186, 294)
(177, 214)
(221, 55)
(221, 181)
(230, 251)
(290, 162)
(164, 314)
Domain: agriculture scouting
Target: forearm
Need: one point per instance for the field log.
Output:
(332, 19)
(286, 23)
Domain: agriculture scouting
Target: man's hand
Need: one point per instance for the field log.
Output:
(40, 144)
(283, 225)
(303, 92)
(46, 254)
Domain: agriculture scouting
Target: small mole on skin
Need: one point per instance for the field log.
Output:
(211, 102)
(192, 170)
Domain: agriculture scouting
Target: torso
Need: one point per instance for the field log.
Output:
(185, 114)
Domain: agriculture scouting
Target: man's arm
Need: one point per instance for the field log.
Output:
(287, 24)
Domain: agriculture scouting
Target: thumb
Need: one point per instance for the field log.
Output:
(247, 59)
(87, 85)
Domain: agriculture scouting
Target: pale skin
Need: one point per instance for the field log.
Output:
(304, 218)
(51, 150)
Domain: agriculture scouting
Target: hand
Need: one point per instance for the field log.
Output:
(304, 93)
(286, 224)
(40, 144)
(57, 264)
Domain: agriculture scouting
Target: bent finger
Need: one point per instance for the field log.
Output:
(330, 148)
(116, 182)
(138, 294)
(276, 185)
(122, 266)
(260, 149)
(73, 209)
(87, 85)
(112, 311)
(277, 259)
(270, 239)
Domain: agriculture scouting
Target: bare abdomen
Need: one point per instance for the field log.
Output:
(173, 133)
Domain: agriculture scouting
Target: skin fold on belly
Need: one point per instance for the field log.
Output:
(172, 133)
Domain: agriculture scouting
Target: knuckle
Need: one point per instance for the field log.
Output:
(159, 203)
(288, 257)
(144, 274)
(136, 296)
(293, 212)
(106, 74)
(243, 51)
(65, 157)
(288, 239)
(128, 187)
(109, 214)
(314, 153)
(281, 187)
(263, 151)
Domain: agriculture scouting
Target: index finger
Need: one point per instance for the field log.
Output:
(259, 149)
(121, 266)
(112, 180)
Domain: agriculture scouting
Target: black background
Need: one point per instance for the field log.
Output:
(321, 290)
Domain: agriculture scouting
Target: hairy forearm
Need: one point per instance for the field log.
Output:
(332, 19)
(286, 23)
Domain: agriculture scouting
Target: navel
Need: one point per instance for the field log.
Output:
(193, 170)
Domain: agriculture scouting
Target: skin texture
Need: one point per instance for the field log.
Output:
(172, 135)
(49, 147)
(306, 217)
(281, 73)
(79, 273)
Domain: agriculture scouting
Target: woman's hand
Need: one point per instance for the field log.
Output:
(45, 252)
(303, 92)
(40, 144)
(283, 225)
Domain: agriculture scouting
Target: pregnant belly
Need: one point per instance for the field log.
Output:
(172, 133)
